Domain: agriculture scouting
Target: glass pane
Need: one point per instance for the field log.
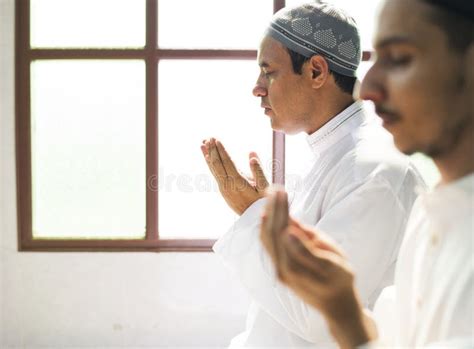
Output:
(198, 100)
(88, 23)
(364, 13)
(212, 23)
(88, 149)
(363, 69)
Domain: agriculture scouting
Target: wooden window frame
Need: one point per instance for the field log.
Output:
(151, 54)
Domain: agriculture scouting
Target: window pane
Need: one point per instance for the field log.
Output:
(88, 149)
(364, 13)
(212, 23)
(198, 100)
(363, 69)
(87, 23)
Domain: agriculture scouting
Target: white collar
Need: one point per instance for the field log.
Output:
(447, 201)
(336, 128)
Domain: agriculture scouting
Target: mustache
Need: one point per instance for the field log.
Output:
(380, 109)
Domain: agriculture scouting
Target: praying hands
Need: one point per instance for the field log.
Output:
(238, 190)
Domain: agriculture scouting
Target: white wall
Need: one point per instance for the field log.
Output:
(101, 300)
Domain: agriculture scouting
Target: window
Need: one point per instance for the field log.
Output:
(113, 100)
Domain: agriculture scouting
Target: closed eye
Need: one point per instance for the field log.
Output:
(396, 61)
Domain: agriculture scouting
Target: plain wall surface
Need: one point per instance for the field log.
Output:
(66, 300)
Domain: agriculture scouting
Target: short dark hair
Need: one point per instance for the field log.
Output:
(458, 28)
(344, 82)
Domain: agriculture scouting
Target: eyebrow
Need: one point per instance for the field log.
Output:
(263, 65)
(394, 40)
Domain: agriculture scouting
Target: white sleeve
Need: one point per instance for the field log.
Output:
(242, 252)
(458, 343)
(369, 224)
(360, 223)
(385, 316)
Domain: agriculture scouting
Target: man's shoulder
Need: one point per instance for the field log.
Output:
(372, 156)
(367, 160)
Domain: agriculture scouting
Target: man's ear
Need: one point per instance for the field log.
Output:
(319, 71)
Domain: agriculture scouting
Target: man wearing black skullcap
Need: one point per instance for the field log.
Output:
(422, 85)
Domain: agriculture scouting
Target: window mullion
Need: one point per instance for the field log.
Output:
(23, 121)
(151, 120)
(278, 161)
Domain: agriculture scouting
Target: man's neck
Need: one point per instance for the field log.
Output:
(333, 108)
(460, 161)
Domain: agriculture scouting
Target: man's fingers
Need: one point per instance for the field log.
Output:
(215, 162)
(264, 235)
(322, 241)
(313, 237)
(267, 234)
(259, 176)
(301, 260)
(204, 150)
(277, 225)
(307, 286)
(280, 215)
(227, 162)
(205, 153)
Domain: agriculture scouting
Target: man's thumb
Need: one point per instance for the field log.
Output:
(257, 171)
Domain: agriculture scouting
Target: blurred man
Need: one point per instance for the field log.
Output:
(359, 187)
(422, 85)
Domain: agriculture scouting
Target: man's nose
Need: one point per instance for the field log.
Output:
(372, 87)
(259, 90)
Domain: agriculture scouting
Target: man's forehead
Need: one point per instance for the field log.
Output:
(402, 21)
(271, 51)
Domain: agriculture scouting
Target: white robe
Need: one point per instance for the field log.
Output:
(432, 302)
(359, 190)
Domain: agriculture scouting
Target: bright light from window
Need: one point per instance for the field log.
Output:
(87, 23)
(88, 149)
(223, 24)
(201, 99)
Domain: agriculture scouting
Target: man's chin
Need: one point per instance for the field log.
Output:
(289, 131)
(275, 126)
(404, 147)
(409, 148)
(285, 130)
(278, 128)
